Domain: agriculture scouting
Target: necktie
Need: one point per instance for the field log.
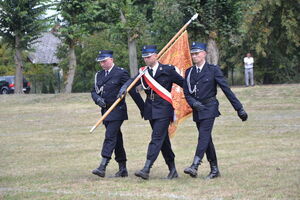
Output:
(198, 70)
(150, 71)
(106, 73)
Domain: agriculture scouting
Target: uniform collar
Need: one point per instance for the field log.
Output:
(110, 68)
(201, 66)
(155, 68)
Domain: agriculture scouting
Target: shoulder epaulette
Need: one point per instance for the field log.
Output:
(120, 68)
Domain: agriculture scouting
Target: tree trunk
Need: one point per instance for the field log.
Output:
(133, 65)
(19, 67)
(212, 56)
(72, 68)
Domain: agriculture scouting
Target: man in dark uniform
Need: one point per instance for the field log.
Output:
(200, 89)
(158, 111)
(107, 85)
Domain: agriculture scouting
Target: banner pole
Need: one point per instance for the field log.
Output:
(177, 35)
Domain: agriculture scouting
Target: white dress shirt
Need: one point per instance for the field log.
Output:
(200, 67)
(248, 62)
(154, 68)
(110, 69)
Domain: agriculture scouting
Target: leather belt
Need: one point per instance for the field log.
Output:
(208, 100)
(153, 96)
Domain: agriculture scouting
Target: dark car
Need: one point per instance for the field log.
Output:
(7, 85)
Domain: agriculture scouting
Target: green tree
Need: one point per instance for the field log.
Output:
(79, 19)
(6, 59)
(51, 88)
(44, 88)
(129, 28)
(21, 22)
(272, 35)
(165, 22)
(148, 22)
(218, 23)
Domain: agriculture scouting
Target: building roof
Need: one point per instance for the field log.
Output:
(45, 49)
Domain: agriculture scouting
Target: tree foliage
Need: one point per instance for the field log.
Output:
(272, 35)
(217, 24)
(221, 17)
(78, 20)
(23, 19)
(165, 22)
(6, 59)
(21, 22)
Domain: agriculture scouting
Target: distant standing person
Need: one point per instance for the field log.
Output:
(108, 82)
(248, 63)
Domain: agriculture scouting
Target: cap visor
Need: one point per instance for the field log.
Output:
(101, 59)
(145, 55)
(196, 50)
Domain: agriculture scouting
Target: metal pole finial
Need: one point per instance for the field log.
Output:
(194, 17)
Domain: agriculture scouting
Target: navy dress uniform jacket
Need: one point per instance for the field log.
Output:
(111, 85)
(160, 112)
(203, 86)
(158, 108)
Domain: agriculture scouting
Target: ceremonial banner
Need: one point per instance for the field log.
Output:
(178, 54)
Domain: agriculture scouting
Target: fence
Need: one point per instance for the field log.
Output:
(45, 83)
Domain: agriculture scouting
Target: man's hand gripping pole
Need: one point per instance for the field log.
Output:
(118, 100)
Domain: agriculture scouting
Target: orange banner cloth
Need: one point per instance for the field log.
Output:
(178, 55)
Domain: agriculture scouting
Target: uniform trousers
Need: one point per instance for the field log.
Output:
(249, 75)
(205, 143)
(160, 141)
(113, 141)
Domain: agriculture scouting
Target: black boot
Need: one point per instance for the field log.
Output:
(214, 170)
(122, 170)
(100, 171)
(144, 173)
(173, 173)
(192, 170)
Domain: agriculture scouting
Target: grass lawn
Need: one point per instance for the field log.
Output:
(47, 151)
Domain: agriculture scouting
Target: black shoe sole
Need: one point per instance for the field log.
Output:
(172, 175)
(143, 176)
(114, 176)
(98, 174)
(121, 176)
(190, 173)
(212, 177)
(170, 178)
